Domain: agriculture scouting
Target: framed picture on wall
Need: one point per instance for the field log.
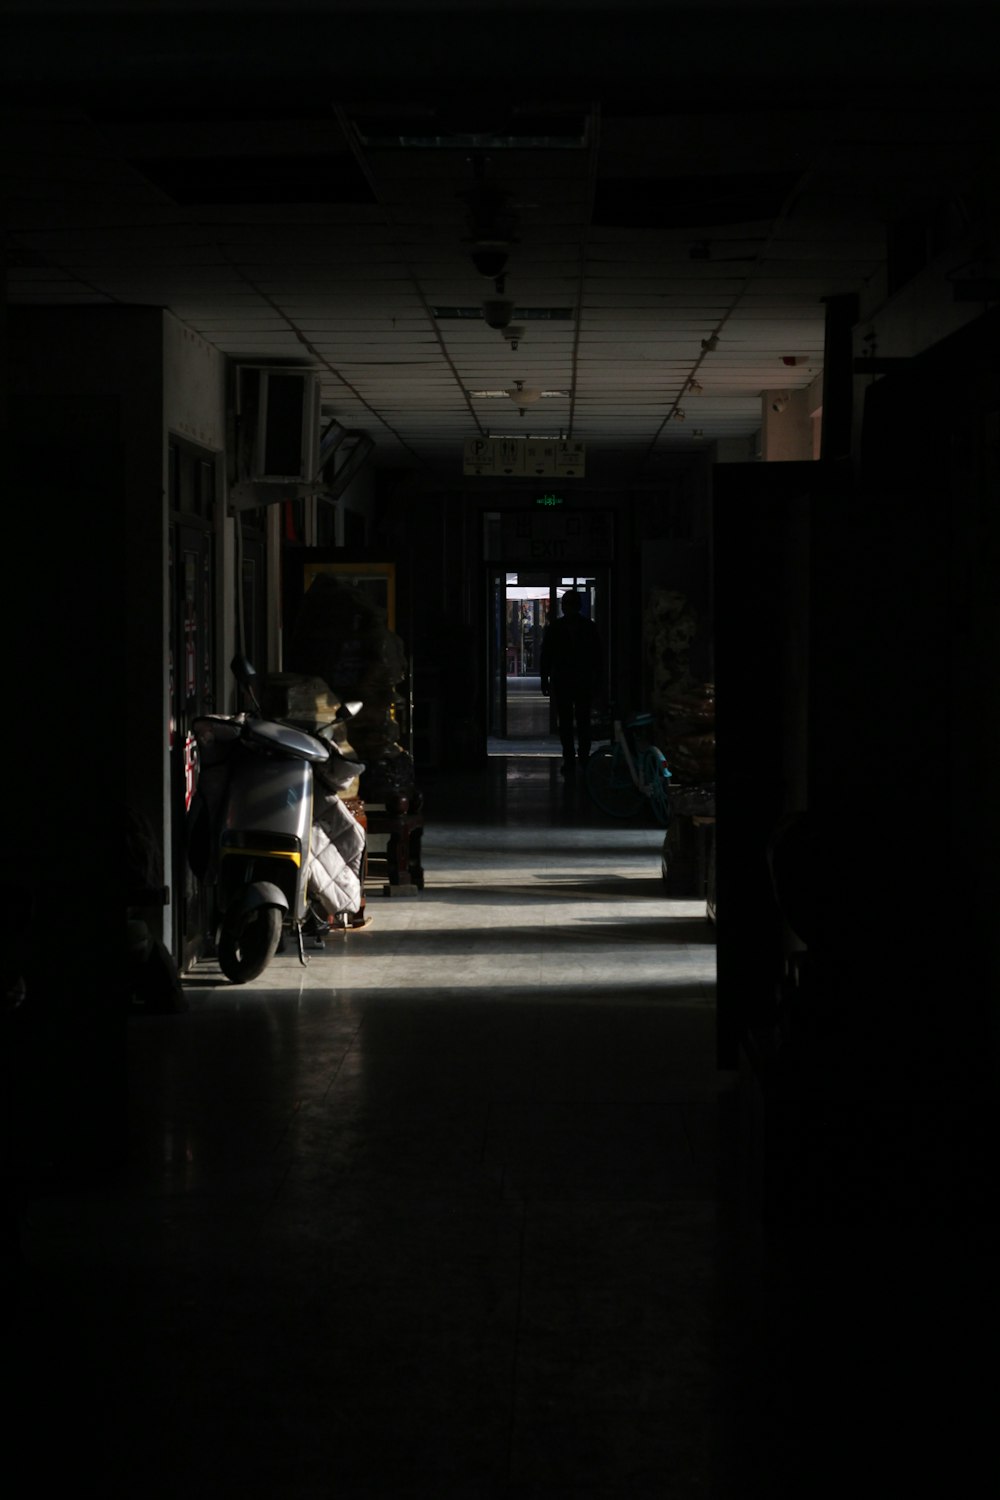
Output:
(375, 580)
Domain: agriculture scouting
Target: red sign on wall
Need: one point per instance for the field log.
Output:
(190, 769)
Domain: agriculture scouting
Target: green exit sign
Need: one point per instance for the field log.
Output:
(548, 501)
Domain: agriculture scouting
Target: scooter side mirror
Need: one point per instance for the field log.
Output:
(245, 675)
(243, 671)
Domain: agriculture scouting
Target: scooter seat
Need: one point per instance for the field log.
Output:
(285, 740)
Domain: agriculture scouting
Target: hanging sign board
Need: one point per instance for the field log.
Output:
(480, 456)
(510, 455)
(516, 457)
(570, 458)
(539, 456)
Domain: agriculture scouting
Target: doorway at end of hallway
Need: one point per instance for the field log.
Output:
(522, 603)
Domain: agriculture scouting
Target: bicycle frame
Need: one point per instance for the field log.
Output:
(646, 765)
(625, 773)
(621, 740)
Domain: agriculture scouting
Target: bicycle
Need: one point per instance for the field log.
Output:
(625, 774)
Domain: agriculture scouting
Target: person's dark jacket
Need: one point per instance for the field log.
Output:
(571, 656)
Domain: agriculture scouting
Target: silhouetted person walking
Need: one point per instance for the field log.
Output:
(571, 661)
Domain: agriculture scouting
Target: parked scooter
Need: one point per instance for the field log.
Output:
(250, 829)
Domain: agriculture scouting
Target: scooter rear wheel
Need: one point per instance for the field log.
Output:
(245, 951)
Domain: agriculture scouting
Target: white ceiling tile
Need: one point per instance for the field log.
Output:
(357, 282)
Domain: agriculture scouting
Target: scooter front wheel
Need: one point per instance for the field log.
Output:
(247, 947)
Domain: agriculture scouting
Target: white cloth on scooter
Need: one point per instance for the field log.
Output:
(335, 863)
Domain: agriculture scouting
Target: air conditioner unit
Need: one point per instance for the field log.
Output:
(278, 409)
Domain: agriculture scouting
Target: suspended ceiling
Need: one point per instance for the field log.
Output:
(677, 191)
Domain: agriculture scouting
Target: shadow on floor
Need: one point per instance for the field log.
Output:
(453, 1212)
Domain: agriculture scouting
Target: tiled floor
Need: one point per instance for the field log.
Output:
(529, 717)
(438, 1215)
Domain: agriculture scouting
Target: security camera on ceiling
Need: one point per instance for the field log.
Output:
(779, 403)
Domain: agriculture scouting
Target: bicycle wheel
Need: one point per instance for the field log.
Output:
(610, 785)
(654, 774)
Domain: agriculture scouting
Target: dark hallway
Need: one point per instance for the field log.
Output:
(541, 1184)
(465, 1209)
(439, 1215)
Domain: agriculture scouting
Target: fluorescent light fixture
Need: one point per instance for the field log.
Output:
(529, 394)
(521, 314)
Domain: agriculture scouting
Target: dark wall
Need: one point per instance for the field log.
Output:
(769, 670)
(869, 1090)
(62, 847)
(881, 1067)
(930, 465)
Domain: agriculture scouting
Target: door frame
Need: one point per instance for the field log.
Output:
(496, 595)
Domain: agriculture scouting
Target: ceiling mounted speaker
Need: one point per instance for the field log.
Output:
(498, 311)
